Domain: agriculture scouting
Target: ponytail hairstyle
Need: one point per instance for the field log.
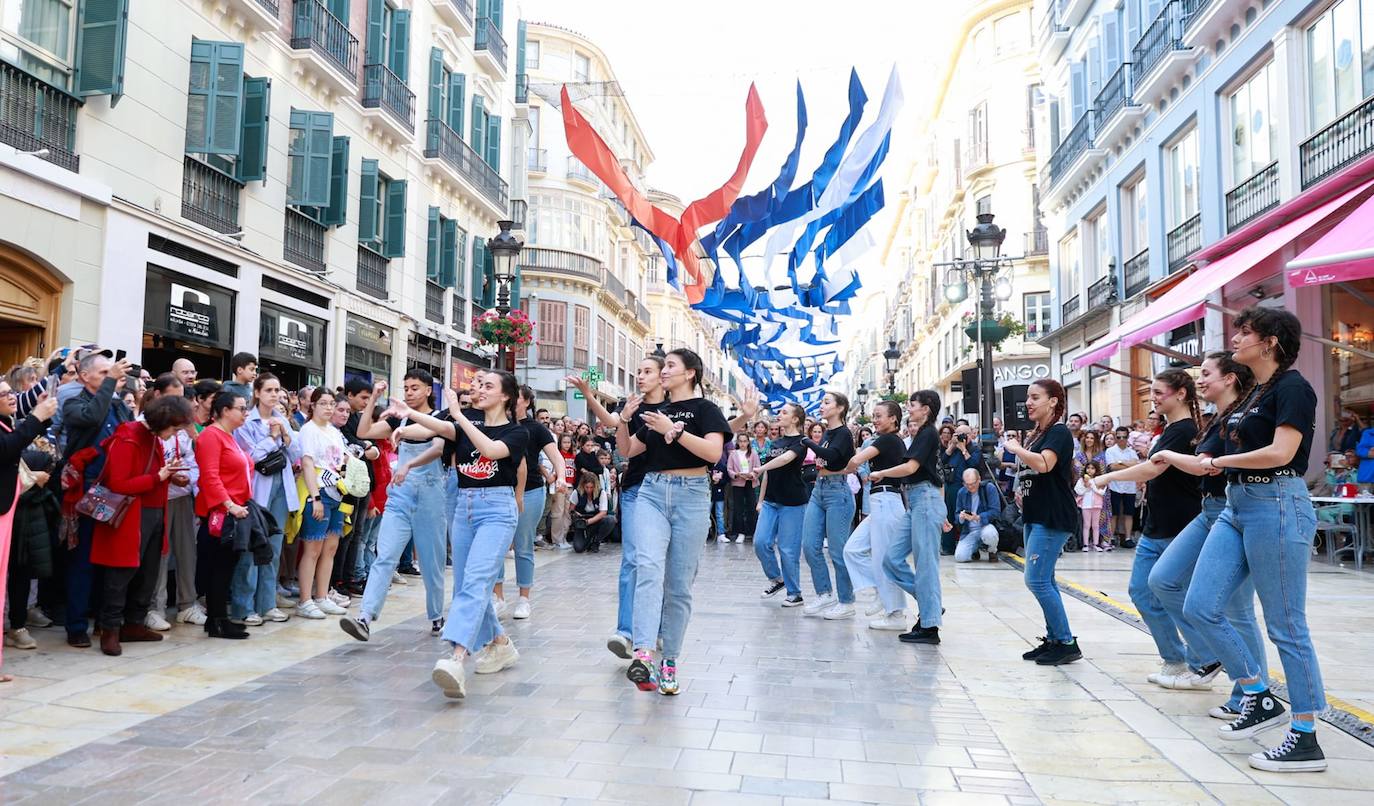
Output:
(692, 363)
(931, 400)
(1054, 389)
(1286, 330)
(510, 387)
(1178, 379)
(1245, 381)
(798, 415)
(842, 401)
(258, 383)
(893, 410)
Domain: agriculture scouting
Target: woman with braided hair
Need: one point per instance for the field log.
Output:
(1265, 532)
(1172, 500)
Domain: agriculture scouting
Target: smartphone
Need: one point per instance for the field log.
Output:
(119, 355)
(136, 371)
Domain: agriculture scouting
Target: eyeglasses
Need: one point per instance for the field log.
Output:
(7, 392)
(240, 408)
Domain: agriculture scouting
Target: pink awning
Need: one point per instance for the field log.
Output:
(1186, 302)
(1345, 253)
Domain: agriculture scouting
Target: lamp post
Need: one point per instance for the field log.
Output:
(505, 248)
(985, 240)
(890, 356)
(861, 395)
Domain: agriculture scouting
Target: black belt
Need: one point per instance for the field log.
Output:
(1264, 477)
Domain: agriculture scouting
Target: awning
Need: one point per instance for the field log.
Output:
(1186, 302)
(1343, 254)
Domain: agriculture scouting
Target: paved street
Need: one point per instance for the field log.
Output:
(776, 708)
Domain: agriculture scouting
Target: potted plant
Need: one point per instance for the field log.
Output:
(511, 330)
(995, 330)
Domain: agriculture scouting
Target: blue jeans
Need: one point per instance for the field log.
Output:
(921, 540)
(524, 539)
(1170, 579)
(414, 511)
(367, 545)
(80, 579)
(829, 517)
(979, 537)
(624, 623)
(779, 532)
(1266, 532)
(669, 526)
(1043, 546)
(1162, 626)
(483, 523)
(719, 508)
(866, 549)
(253, 588)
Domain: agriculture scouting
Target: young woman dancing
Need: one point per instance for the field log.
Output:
(782, 509)
(669, 520)
(867, 547)
(926, 513)
(1045, 489)
(830, 512)
(1266, 530)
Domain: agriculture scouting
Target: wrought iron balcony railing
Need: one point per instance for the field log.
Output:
(1184, 240)
(535, 258)
(1137, 273)
(319, 30)
(372, 269)
(1069, 309)
(35, 115)
(434, 302)
(1115, 95)
(578, 170)
(464, 8)
(1253, 196)
(1162, 37)
(444, 143)
(1078, 140)
(1103, 291)
(488, 38)
(1037, 242)
(522, 88)
(1192, 9)
(1348, 138)
(209, 196)
(303, 241)
(539, 160)
(383, 88)
(519, 212)
(460, 312)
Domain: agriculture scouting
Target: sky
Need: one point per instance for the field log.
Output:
(685, 68)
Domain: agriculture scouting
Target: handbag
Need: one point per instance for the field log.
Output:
(272, 464)
(103, 505)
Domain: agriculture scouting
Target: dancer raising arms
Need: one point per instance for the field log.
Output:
(669, 520)
(926, 512)
(539, 440)
(1045, 488)
(867, 547)
(830, 512)
(782, 508)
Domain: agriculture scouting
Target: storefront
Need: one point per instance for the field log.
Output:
(367, 349)
(1352, 323)
(186, 318)
(291, 346)
(464, 366)
(424, 352)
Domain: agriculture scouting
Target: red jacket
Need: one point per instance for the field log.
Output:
(133, 457)
(225, 473)
(381, 471)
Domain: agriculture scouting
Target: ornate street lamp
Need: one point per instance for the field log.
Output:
(890, 356)
(861, 395)
(505, 248)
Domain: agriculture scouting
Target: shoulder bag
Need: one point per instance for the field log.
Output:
(103, 505)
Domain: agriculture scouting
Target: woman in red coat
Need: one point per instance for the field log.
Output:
(131, 553)
(225, 489)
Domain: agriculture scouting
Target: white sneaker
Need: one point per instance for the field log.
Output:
(20, 639)
(875, 608)
(839, 612)
(308, 609)
(1167, 670)
(1188, 681)
(195, 614)
(723, 539)
(285, 602)
(339, 599)
(499, 605)
(495, 657)
(275, 614)
(329, 608)
(897, 621)
(620, 646)
(739, 539)
(38, 618)
(819, 605)
(156, 621)
(1223, 712)
(450, 676)
(252, 620)
(521, 609)
(397, 579)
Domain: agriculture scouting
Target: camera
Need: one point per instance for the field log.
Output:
(961, 437)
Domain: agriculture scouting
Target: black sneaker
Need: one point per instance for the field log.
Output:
(355, 627)
(408, 571)
(793, 601)
(1059, 654)
(1035, 654)
(1258, 712)
(772, 590)
(1298, 752)
(920, 635)
(436, 627)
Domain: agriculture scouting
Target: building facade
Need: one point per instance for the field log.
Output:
(1201, 144)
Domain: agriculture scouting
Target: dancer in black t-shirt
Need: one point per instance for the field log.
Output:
(867, 547)
(830, 512)
(782, 508)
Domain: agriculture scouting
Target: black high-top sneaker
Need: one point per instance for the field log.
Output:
(1258, 712)
(1298, 752)
(1059, 654)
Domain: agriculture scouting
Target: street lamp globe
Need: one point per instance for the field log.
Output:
(986, 238)
(890, 355)
(505, 248)
(1002, 289)
(956, 293)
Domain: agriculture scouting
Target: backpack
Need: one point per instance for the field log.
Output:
(355, 480)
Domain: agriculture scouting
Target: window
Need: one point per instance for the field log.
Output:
(553, 332)
(1340, 60)
(532, 114)
(1098, 253)
(1254, 137)
(532, 54)
(1181, 163)
(381, 212)
(38, 36)
(446, 97)
(605, 357)
(581, 67)
(1070, 270)
(1037, 313)
(486, 133)
(623, 351)
(582, 316)
(227, 112)
(1010, 33)
(310, 157)
(1135, 233)
(441, 250)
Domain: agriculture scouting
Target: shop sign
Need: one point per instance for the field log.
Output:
(184, 308)
(371, 335)
(1015, 373)
(292, 337)
(464, 374)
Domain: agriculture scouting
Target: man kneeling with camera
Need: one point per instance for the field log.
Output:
(591, 522)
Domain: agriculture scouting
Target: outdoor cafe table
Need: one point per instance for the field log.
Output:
(1364, 509)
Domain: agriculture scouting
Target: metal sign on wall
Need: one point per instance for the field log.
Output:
(291, 337)
(185, 308)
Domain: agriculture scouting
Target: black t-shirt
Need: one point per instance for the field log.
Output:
(536, 437)
(397, 423)
(834, 450)
(925, 449)
(635, 468)
(475, 470)
(699, 417)
(1213, 445)
(1048, 498)
(585, 460)
(785, 485)
(1173, 498)
(891, 452)
(1286, 400)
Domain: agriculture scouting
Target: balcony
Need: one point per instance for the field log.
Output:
(1037, 242)
(1054, 34)
(1115, 110)
(1253, 196)
(1137, 273)
(490, 46)
(1070, 162)
(519, 213)
(557, 261)
(1182, 241)
(259, 14)
(538, 160)
(384, 90)
(323, 43)
(613, 289)
(35, 115)
(446, 146)
(976, 158)
(1102, 292)
(1347, 139)
(579, 172)
(209, 196)
(522, 88)
(434, 302)
(303, 241)
(1160, 58)
(372, 272)
(457, 13)
(1204, 21)
(460, 313)
(1069, 310)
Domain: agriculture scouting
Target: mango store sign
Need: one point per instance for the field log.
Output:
(1011, 373)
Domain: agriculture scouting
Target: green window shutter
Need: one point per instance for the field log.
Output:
(479, 249)
(457, 89)
(101, 35)
(432, 269)
(376, 18)
(367, 203)
(399, 58)
(493, 156)
(520, 48)
(448, 248)
(515, 289)
(498, 13)
(483, 8)
(394, 241)
(214, 100)
(339, 8)
(310, 151)
(336, 212)
(460, 263)
(488, 278)
(257, 107)
(479, 126)
(436, 84)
